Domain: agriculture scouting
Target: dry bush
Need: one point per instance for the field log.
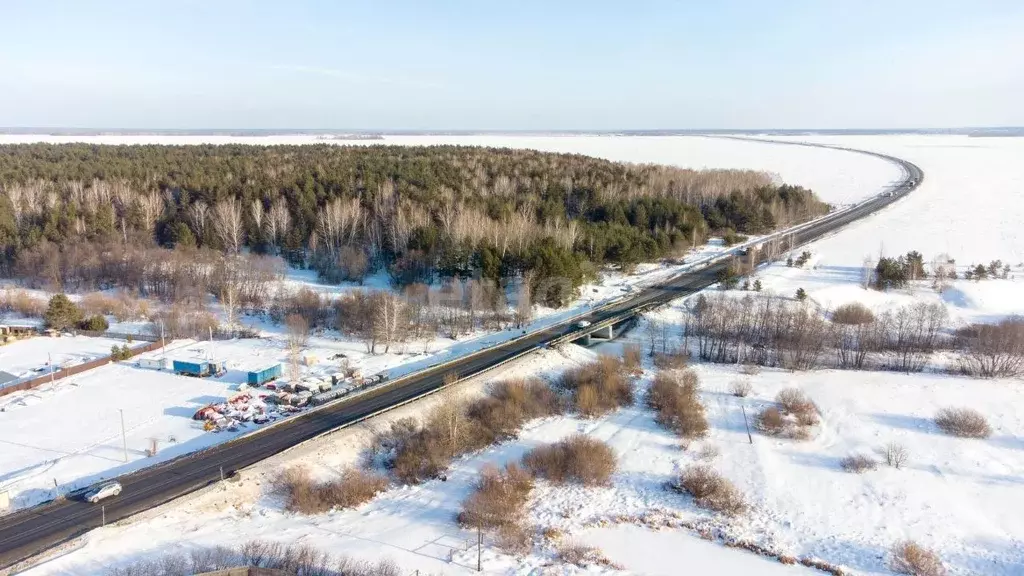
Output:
(632, 358)
(288, 559)
(22, 303)
(306, 496)
(578, 458)
(672, 360)
(963, 422)
(771, 421)
(992, 350)
(750, 369)
(551, 533)
(795, 402)
(181, 321)
(710, 490)
(858, 464)
(822, 565)
(674, 397)
(741, 388)
(793, 418)
(499, 498)
(123, 306)
(579, 554)
(386, 443)
(306, 302)
(514, 538)
(853, 314)
(908, 557)
(708, 452)
(896, 455)
(422, 456)
(599, 387)
(415, 454)
(511, 404)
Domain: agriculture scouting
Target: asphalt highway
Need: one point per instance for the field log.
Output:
(29, 532)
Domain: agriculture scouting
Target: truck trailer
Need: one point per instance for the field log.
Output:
(264, 375)
(197, 368)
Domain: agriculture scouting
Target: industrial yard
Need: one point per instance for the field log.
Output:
(126, 415)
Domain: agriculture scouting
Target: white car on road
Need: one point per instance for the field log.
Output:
(582, 324)
(105, 490)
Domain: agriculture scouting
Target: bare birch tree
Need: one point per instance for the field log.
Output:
(227, 221)
(198, 215)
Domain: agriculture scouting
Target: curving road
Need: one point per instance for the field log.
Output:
(31, 531)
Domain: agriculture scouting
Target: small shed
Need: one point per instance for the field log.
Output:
(154, 363)
(309, 359)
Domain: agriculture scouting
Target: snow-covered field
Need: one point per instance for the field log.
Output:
(33, 356)
(957, 496)
(969, 206)
(960, 497)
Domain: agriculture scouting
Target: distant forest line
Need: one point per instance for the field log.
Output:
(73, 215)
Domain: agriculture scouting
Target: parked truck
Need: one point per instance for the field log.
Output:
(264, 375)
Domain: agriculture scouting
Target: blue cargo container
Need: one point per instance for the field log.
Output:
(198, 368)
(264, 375)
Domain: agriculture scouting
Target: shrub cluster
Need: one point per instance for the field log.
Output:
(510, 404)
(22, 303)
(710, 490)
(671, 360)
(300, 560)
(774, 331)
(858, 464)
(499, 498)
(582, 555)
(963, 422)
(674, 398)
(307, 496)
(576, 459)
(632, 359)
(793, 418)
(599, 387)
(416, 453)
(741, 388)
(118, 353)
(121, 306)
(992, 350)
(909, 557)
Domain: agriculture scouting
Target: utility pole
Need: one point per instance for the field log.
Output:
(745, 424)
(163, 345)
(103, 515)
(479, 547)
(49, 360)
(124, 438)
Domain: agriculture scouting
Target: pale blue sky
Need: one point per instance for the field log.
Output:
(520, 64)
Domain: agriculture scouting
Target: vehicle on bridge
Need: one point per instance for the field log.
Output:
(582, 324)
